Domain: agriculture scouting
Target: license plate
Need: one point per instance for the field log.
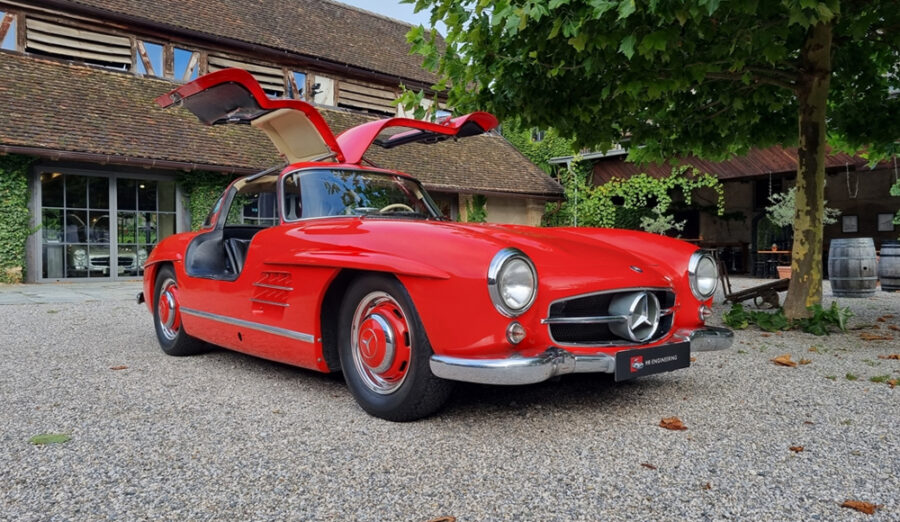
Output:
(647, 361)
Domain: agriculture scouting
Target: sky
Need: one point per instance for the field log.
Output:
(394, 9)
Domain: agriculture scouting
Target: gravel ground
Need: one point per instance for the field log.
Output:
(226, 436)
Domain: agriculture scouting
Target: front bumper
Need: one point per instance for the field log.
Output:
(556, 361)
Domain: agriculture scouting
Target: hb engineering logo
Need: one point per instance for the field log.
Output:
(637, 363)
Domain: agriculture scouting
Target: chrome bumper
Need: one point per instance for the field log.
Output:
(555, 361)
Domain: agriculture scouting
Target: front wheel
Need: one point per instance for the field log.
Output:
(167, 317)
(385, 353)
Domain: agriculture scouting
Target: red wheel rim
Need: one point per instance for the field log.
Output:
(380, 340)
(168, 313)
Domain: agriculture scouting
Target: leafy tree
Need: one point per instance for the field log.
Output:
(705, 77)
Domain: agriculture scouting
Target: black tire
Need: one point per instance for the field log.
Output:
(167, 320)
(375, 309)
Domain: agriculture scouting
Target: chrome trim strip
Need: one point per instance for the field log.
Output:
(273, 303)
(290, 334)
(600, 319)
(273, 287)
(556, 361)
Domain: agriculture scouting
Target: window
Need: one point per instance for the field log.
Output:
(354, 193)
(7, 31)
(187, 64)
(537, 135)
(254, 202)
(298, 85)
(148, 58)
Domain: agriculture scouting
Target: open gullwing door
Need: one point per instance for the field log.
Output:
(295, 127)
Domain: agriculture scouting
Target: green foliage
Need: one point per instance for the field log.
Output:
(820, 322)
(14, 216)
(539, 152)
(880, 378)
(202, 190)
(476, 209)
(639, 202)
(49, 438)
(699, 77)
(782, 206)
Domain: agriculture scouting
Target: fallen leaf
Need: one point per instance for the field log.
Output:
(865, 507)
(875, 337)
(49, 438)
(813, 350)
(784, 360)
(648, 465)
(808, 422)
(875, 327)
(443, 519)
(881, 319)
(796, 449)
(894, 327)
(672, 423)
(707, 486)
(765, 335)
(123, 367)
(693, 359)
(892, 383)
(891, 356)
(888, 316)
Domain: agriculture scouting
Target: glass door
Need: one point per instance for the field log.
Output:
(77, 240)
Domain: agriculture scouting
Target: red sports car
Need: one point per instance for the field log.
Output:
(335, 266)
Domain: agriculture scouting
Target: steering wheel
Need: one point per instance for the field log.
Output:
(396, 206)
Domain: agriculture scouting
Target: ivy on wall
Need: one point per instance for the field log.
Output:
(14, 216)
(639, 202)
(202, 189)
(538, 151)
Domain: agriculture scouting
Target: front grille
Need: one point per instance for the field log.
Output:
(593, 309)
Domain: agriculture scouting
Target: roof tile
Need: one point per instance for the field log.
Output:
(75, 108)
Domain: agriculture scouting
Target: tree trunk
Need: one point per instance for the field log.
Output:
(812, 94)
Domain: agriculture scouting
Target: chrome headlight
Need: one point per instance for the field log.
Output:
(703, 274)
(512, 282)
(79, 259)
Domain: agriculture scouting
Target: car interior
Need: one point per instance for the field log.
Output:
(248, 207)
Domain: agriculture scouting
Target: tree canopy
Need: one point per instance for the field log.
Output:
(710, 78)
(703, 77)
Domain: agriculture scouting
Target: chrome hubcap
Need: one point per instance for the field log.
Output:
(167, 310)
(380, 342)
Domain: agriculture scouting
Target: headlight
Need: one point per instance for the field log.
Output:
(703, 274)
(79, 259)
(512, 282)
(141, 257)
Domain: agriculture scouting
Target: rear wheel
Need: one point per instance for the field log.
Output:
(385, 353)
(167, 317)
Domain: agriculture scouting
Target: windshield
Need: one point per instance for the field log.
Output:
(326, 192)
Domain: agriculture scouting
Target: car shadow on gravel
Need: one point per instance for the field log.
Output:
(594, 391)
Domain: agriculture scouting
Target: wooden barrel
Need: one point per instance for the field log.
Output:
(889, 266)
(852, 267)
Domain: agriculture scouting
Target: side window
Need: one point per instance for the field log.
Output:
(254, 203)
(293, 206)
(212, 212)
(148, 58)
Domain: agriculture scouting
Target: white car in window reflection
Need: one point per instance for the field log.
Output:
(90, 257)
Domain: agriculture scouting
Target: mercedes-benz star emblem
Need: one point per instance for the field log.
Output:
(640, 314)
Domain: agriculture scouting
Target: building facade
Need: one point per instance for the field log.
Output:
(109, 174)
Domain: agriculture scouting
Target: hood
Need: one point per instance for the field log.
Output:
(566, 259)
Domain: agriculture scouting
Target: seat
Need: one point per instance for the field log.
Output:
(236, 252)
